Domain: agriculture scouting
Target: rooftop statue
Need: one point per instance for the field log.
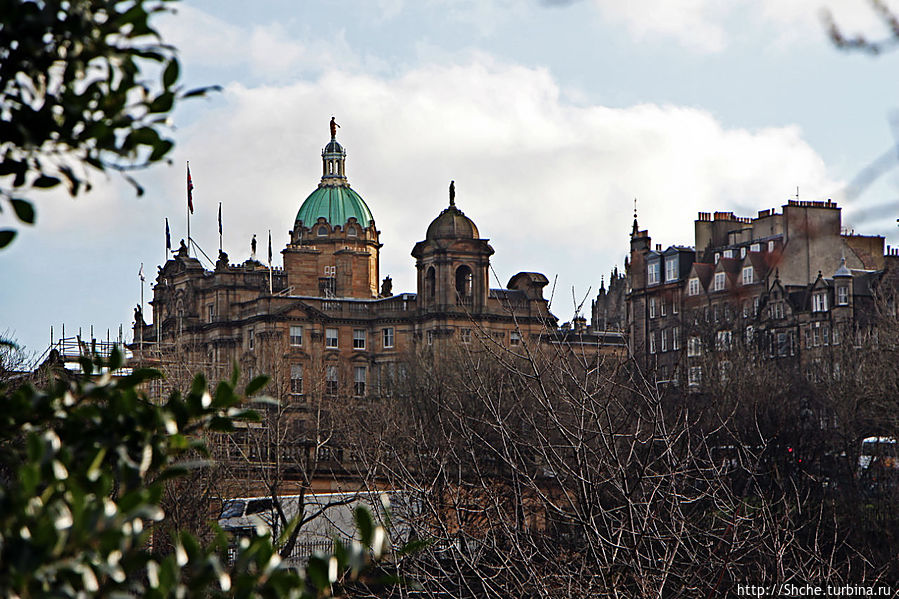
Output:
(334, 127)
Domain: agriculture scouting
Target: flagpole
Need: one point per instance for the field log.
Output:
(188, 207)
(220, 227)
(270, 262)
(141, 323)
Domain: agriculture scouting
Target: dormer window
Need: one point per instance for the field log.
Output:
(747, 275)
(671, 270)
(819, 302)
(771, 246)
(719, 281)
(743, 252)
(717, 257)
(652, 273)
(693, 286)
(755, 247)
(728, 253)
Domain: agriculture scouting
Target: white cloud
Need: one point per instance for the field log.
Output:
(712, 25)
(271, 50)
(551, 184)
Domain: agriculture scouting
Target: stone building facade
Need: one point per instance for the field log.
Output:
(786, 283)
(325, 327)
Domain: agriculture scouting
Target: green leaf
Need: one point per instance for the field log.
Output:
(45, 181)
(317, 572)
(201, 91)
(6, 237)
(170, 75)
(24, 210)
(365, 524)
(256, 385)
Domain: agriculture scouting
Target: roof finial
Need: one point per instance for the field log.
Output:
(452, 193)
(334, 127)
(635, 228)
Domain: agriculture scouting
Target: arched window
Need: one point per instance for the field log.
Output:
(323, 231)
(430, 283)
(463, 281)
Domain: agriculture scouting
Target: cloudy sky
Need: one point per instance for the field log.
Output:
(551, 116)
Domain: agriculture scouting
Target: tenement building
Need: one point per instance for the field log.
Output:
(324, 326)
(785, 283)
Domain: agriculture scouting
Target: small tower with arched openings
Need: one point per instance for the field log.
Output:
(453, 263)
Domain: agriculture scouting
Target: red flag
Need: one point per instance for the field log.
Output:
(190, 191)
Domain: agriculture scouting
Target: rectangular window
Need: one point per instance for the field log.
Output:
(728, 253)
(693, 288)
(842, 295)
(783, 344)
(210, 312)
(652, 307)
(652, 273)
(742, 252)
(296, 335)
(671, 270)
(695, 376)
(819, 302)
(747, 275)
(251, 339)
(331, 338)
(359, 336)
(674, 305)
(719, 281)
(359, 375)
(387, 337)
(694, 347)
(755, 306)
(675, 338)
(770, 246)
(755, 247)
(331, 379)
(816, 334)
(722, 342)
(777, 310)
(746, 309)
(296, 379)
(466, 335)
(514, 338)
(664, 340)
(652, 342)
(430, 337)
(662, 306)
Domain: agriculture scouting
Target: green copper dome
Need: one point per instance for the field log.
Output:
(336, 203)
(334, 200)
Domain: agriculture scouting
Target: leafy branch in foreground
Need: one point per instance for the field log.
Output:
(84, 85)
(83, 464)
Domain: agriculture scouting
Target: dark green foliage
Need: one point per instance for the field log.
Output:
(84, 85)
(84, 463)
